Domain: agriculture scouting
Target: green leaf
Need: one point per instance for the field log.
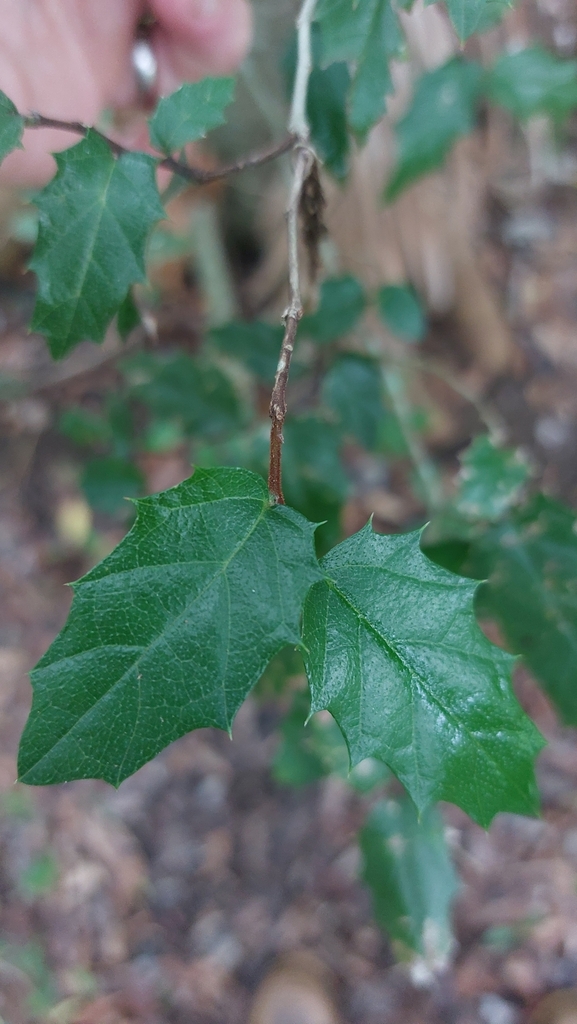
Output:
(407, 866)
(314, 480)
(190, 112)
(255, 344)
(368, 33)
(401, 311)
(533, 81)
(11, 126)
(444, 107)
(109, 481)
(342, 303)
(311, 749)
(352, 389)
(171, 631)
(95, 216)
(326, 112)
(490, 480)
(393, 651)
(470, 16)
(531, 562)
(192, 391)
(84, 427)
(128, 316)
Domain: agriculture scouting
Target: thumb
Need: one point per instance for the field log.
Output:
(193, 38)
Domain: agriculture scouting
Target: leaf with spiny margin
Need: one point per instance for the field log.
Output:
(171, 631)
(490, 480)
(408, 868)
(531, 592)
(393, 651)
(95, 217)
(11, 126)
(444, 108)
(532, 82)
(470, 16)
(190, 112)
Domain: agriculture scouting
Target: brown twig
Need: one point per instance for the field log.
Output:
(197, 175)
(278, 401)
(304, 157)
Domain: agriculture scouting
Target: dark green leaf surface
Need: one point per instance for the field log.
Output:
(366, 32)
(531, 562)
(11, 126)
(406, 864)
(352, 389)
(194, 392)
(95, 216)
(490, 480)
(401, 311)
(470, 16)
(533, 81)
(109, 481)
(256, 345)
(444, 108)
(171, 631)
(393, 651)
(314, 480)
(128, 316)
(342, 303)
(326, 111)
(190, 112)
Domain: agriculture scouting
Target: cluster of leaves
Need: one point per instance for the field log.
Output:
(175, 627)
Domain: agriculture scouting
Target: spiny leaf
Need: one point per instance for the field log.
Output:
(533, 81)
(190, 112)
(444, 107)
(531, 562)
(470, 16)
(171, 631)
(393, 651)
(490, 480)
(95, 217)
(11, 126)
(407, 866)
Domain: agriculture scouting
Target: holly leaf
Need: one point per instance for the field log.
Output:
(490, 480)
(365, 32)
(470, 16)
(189, 113)
(444, 107)
(11, 126)
(531, 564)
(393, 651)
(171, 631)
(533, 81)
(95, 217)
(407, 866)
